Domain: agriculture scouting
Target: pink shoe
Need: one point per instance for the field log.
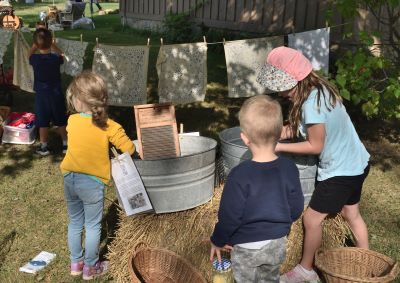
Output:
(91, 272)
(298, 275)
(76, 268)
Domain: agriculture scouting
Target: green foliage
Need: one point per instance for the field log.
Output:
(178, 28)
(369, 81)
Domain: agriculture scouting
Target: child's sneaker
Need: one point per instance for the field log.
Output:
(43, 150)
(91, 272)
(299, 275)
(76, 268)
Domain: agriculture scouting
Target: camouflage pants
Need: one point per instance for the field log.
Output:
(261, 266)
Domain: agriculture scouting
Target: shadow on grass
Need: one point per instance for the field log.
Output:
(382, 140)
(109, 228)
(22, 157)
(5, 246)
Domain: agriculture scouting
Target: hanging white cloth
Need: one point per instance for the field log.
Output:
(182, 73)
(314, 45)
(5, 39)
(124, 68)
(74, 53)
(23, 72)
(244, 59)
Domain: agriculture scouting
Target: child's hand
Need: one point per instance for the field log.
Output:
(217, 251)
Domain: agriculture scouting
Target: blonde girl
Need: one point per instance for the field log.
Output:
(86, 169)
(318, 115)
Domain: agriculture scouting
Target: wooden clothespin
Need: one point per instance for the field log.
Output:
(326, 25)
(115, 153)
(97, 42)
(162, 41)
(204, 39)
(81, 38)
(148, 41)
(181, 128)
(223, 40)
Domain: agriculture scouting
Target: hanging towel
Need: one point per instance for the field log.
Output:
(244, 59)
(74, 52)
(182, 73)
(315, 46)
(5, 38)
(124, 68)
(23, 72)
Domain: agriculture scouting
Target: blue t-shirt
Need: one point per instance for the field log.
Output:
(259, 202)
(343, 153)
(46, 69)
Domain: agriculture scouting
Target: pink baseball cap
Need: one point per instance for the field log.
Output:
(284, 68)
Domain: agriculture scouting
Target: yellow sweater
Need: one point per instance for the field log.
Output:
(88, 146)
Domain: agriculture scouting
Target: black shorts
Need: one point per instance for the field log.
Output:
(50, 107)
(332, 194)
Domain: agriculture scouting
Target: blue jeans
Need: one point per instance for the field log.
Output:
(85, 200)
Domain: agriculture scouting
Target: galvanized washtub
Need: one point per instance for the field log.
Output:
(235, 151)
(181, 183)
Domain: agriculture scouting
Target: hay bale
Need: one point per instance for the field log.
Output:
(185, 233)
(335, 232)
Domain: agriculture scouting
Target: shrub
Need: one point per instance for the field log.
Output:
(369, 81)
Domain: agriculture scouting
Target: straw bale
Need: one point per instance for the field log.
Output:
(186, 233)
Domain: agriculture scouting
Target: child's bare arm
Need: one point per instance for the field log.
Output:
(56, 49)
(287, 132)
(33, 49)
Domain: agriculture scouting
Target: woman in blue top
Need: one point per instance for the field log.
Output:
(318, 115)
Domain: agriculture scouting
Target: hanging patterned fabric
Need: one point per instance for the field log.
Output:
(125, 70)
(74, 52)
(244, 59)
(314, 45)
(182, 73)
(23, 72)
(5, 39)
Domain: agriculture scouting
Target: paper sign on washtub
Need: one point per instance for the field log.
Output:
(132, 194)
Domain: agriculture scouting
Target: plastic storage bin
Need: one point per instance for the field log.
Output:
(18, 135)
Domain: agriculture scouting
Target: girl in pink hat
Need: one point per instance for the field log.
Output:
(318, 115)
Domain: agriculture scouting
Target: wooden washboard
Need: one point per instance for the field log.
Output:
(157, 131)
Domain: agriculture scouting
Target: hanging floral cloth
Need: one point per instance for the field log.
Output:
(125, 70)
(182, 73)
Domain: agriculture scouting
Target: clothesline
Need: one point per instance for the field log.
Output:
(211, 43)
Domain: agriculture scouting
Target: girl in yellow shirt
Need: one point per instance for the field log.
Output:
(86, 169)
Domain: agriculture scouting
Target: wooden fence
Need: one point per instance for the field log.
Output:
(258, 16)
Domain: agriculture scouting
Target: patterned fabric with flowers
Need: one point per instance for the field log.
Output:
(5, 39)
(244, 60)
(124, 68)
(23, 72)
(74, 53)
(182, 73)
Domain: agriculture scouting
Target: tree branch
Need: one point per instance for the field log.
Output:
(377, 17)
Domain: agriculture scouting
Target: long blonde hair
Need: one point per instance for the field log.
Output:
(91, 90)
(302, 91)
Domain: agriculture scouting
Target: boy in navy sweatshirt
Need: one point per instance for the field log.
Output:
(262, 197)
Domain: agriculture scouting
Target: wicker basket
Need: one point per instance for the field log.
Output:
(344, 265)
(153, 265)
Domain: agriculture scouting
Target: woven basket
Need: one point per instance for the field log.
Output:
(344, 265)
(153, 265)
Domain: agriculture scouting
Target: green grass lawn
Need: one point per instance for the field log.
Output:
(33, 214)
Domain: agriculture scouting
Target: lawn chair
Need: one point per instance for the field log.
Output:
(67, 18)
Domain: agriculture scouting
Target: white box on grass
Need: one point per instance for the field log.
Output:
(18, 135)
(38, 262)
